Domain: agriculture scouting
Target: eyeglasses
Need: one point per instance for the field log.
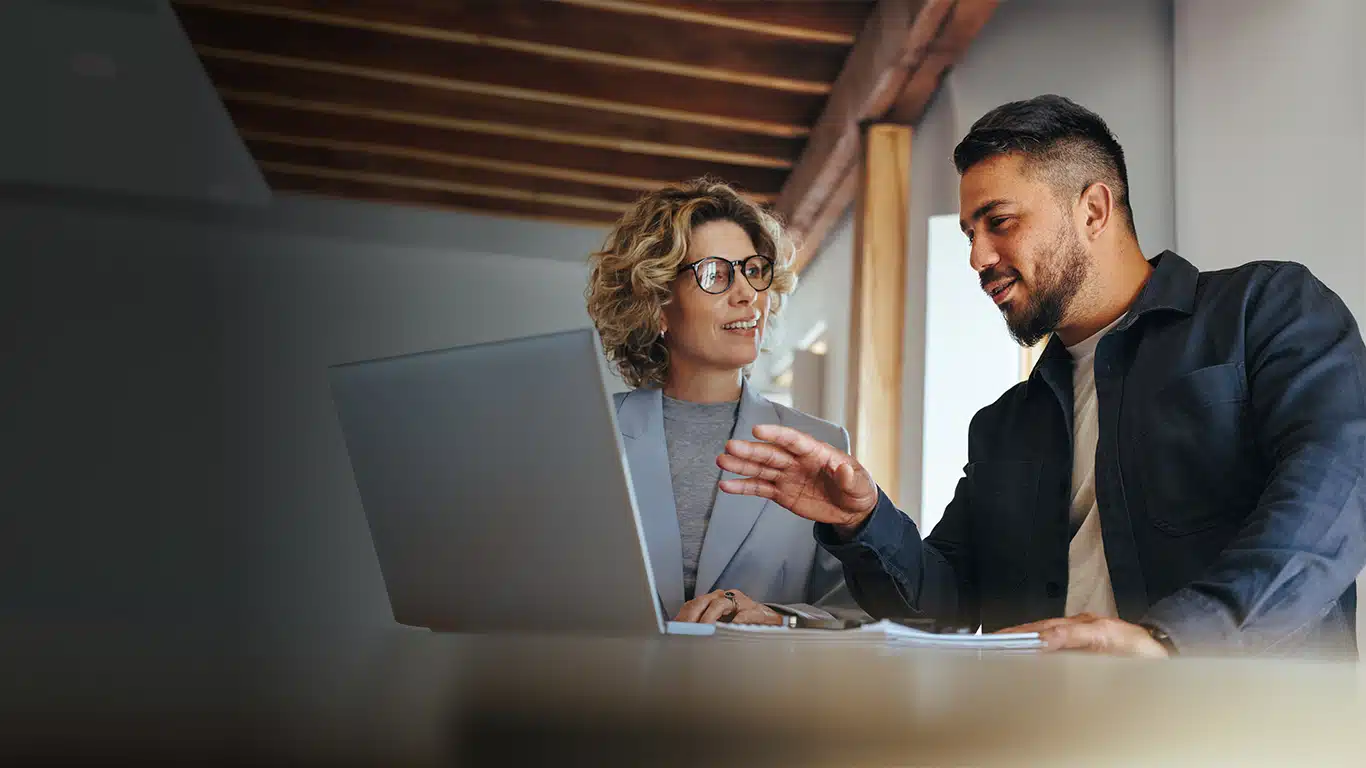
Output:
(715, 274)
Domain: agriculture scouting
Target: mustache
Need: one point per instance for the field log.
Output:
(993, 274)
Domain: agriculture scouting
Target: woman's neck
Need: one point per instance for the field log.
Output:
(703, 386)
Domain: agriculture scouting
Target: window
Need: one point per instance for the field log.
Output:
(970, 361)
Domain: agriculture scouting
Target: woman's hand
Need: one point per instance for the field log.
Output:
(727, 605)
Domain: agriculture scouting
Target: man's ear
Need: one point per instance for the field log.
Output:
(1097, 208)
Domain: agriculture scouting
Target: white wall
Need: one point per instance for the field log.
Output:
(1271, 136)
(168, 430)
(822, 297)
(1111, 56)
(1271, 139)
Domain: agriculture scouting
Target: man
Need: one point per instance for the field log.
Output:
(1183, 472)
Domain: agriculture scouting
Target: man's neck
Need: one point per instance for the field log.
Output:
(1113, 289)
(702, 385)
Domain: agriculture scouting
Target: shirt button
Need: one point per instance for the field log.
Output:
(1054, 589)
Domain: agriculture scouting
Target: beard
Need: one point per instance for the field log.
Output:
(1063, 265)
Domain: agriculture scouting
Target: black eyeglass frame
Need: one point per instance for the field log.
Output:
(735, 265)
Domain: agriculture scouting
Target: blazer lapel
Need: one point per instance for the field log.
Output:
(732, 516)
(641, 420)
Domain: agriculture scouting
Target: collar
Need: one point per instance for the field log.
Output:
(1170, 288)
(644, 406)
(1087, 347)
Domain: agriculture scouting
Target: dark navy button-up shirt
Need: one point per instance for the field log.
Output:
(1230, 477)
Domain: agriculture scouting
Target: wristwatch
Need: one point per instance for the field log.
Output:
(1163, 639)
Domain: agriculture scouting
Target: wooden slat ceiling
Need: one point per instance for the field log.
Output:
(558, 109)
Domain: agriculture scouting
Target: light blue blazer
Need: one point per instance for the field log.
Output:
(751, 544)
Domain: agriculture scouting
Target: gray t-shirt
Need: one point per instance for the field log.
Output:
(696, 433)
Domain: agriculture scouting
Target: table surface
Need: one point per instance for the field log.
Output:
(406, 696)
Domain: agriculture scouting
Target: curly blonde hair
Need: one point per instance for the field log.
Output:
(629, 279)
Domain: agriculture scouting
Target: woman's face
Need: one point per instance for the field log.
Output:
(717, 331)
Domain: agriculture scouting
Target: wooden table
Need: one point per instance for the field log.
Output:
(409, 697)
(705, 701)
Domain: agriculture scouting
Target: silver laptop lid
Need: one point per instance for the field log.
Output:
(495, 484)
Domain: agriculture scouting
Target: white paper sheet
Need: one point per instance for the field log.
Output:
(878, 633)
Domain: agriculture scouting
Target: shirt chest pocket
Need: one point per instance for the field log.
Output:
(1003, 497)
(1198, 460)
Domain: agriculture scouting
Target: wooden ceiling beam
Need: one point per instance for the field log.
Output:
(836, 22)
(208, 54)
(254, 119)
(573, 125)
(893, 38)
(583, 33)
(357, 160)
(444, 185)
(631, 186)
(281, 181)
(552, 135)
(439, 64)
(906, 44)
(965, 21)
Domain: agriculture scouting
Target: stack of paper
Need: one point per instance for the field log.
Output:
(879, 633)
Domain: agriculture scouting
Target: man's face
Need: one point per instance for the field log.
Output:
(1025, 246)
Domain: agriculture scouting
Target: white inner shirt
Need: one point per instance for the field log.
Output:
(1088, 576)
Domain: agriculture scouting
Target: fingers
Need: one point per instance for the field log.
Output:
(1087, 632)
(848, 479)
(1034, 626)
(815, 510)
(721, 607)
(744, 601)
(795, 453)
(1073, 637)
(847, 474)
(750, 487)
(692, 610)
(760, 453)
(715, 607)
(747, 468)
(795, 442)
(1111, 636)
(759, 615)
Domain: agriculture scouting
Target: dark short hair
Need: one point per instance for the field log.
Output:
(1069, 144)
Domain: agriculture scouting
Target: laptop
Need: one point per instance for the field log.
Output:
(495, 485)
(496, 488)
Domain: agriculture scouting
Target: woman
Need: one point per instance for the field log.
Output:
(682, 294)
